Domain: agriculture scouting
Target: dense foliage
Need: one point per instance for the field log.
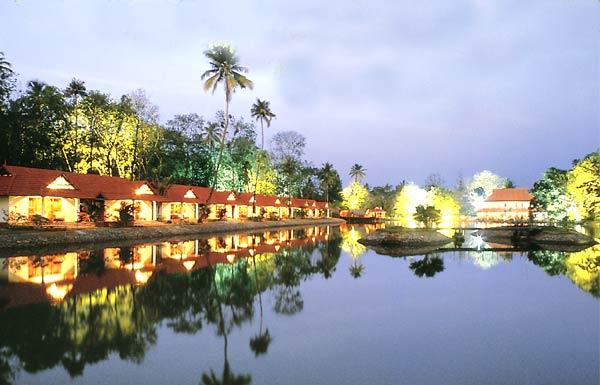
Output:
(88, 131)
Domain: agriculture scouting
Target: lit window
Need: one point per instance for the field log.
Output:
(60, 183)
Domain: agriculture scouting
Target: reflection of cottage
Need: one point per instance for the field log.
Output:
(376, 212)
(506, 204)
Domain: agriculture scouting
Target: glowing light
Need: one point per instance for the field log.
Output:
(406, 204)
(190, 194)
(478, 242)
(230, 258)
(60, 183)
(58, 292)
(251, 252)
(277, 247)
(144, 190)
(141, 277)
(189, 265)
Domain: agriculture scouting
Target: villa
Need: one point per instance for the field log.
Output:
(506, 204)
(28, 193)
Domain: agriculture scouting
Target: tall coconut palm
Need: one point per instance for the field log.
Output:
(75, 90)
(224, 69)
(261, 111)
(357, 172)
(327, 175)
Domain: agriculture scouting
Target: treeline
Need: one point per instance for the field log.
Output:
(88, 131)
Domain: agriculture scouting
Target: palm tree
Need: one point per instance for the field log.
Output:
(260, 111)
(327, 175)
(357, 172)
(5, 67)
(75, 90)
(224, 69)
(356, 269)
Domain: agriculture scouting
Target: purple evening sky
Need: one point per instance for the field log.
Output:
(403, 88)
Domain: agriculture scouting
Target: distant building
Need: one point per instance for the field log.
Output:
(506, 204)
(376, 212)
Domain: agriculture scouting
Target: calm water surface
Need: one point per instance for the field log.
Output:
(308, 306)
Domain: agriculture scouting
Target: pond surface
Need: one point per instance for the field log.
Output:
(308, 306)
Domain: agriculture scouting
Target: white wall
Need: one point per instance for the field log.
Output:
(4, 209)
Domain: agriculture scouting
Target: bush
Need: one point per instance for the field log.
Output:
(126, 214)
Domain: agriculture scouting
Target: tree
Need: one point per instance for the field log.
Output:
(354, 196)
(226, 70)
(287, 144)
(427, 215)
(550, 194)
(74, 91)
(357, 172)
(482, 185)
(583, 185)
(260, 111)
(434, 180)
(446, 204)
(330, 179)
(407, 201)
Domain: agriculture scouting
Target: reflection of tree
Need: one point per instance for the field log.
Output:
(88, 328)
(259, 344)
(350, 243)
(288, 300)
(553, 262)
(356, 269)
(428, 266)
(583, 268)
(92, 263)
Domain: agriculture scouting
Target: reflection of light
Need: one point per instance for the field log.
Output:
(231, 258)
(251, 251)
(142, 277)
(58, 292)
(188, 265)
(277, 247)
(478, 241)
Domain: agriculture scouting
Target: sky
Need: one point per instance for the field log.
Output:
(403, 88)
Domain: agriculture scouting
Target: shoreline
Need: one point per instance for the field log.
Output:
(45, 242)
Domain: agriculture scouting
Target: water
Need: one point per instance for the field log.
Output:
(311, 306)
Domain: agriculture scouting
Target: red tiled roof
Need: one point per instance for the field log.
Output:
(509, 194)
(23, 181)
(322, 205)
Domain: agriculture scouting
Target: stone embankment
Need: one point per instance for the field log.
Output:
(536, 235)
(40, 241)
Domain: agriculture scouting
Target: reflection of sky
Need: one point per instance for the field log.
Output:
(465, 79)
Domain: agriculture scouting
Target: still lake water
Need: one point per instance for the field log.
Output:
(309, 306)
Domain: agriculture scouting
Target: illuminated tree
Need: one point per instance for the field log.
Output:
(224, 69)
(264, 180)
(482, 185)
(354, 196)
(583, 185)
(260, 111)
(406, 204)
(449, 208)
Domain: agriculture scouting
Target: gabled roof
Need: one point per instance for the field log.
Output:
(184, 193)
(509, 194)
(322, 205)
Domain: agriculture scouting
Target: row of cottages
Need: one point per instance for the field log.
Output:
(59, 196)
(506, 204)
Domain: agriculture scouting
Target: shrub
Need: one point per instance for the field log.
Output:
(126, 214)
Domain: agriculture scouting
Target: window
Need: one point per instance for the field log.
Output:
(34, 207)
